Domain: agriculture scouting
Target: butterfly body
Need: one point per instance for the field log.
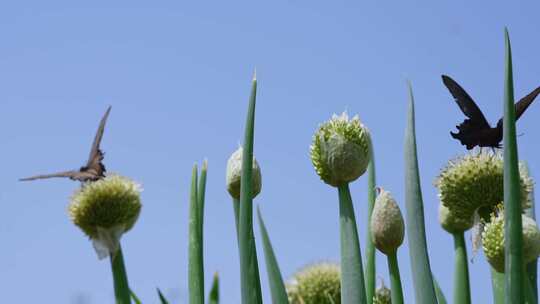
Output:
(475, 130)
(471, 136)
(93, 170)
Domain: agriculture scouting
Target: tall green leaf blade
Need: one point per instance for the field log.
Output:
(134, 297)
(353, 289)
(161, 297)
(422, 279)
(277, 287)
(195, 265)
(513, 232)
(201, 191)
(441, 299)
(249, 272)
(213, 297)
(370, 247)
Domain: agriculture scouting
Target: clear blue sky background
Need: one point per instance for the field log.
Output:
(178, 78)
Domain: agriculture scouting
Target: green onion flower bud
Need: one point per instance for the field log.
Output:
(475, 181)
(493, 240)
(234, 175)
(319, 283)
(382, 295)
(340, 150)
(452, 223)
(106, 209)
(387, 226)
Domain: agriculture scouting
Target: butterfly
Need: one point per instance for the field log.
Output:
(475, 130)
(93, 170)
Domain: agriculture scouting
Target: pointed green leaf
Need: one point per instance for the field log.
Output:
(422, 279)
(213, 297)
(277, 287)
(249, 271)
(161, 297)
(513, 232)
(195, 265)
(135, 298)
(441, 299)
(201, 191)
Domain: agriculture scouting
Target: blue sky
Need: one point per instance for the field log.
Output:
(178, 78)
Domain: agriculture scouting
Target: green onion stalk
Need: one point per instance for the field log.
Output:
(370, 248)
(340, 154)
(456, 226)
(104, 210)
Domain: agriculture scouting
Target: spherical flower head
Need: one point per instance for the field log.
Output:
(383, 295)
(387, 226)
(493, 240)
(105, 209)
(316, 284)
(452, 223)
(475, 181)
(340, 151)
(234, 175)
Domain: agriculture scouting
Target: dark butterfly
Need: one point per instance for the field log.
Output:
(94, 168)
(475, 130)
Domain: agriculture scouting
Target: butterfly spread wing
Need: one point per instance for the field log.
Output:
(96, 155)
(475, 122)
(71, 174)
(522, 105)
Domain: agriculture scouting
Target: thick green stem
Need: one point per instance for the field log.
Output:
(370, 248)
(352, 274)
(462, 291)
(532, 267)
(395, 279)
(529, 291)
(532, 271)
(121, 286)
(236, 206)
(497, 285)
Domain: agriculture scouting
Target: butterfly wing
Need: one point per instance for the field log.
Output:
(465, 103)
(522, 105)
(96, 155)
(70, 174)
(471, 128)
(525, 102)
